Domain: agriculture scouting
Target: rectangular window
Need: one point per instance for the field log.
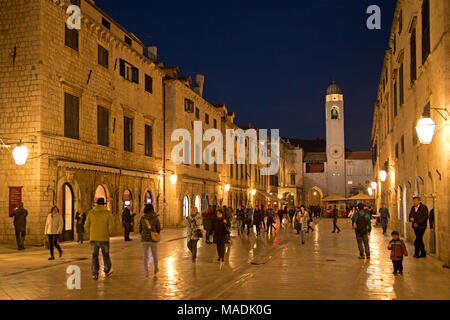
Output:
(106, 23)
(395, 99)
(206, 118)
(71, 38)
(401, 93)
(102, 126)
(242, 171)
(128, 134)
(128, 40)
(148, 83)
(148, 141)
(413, 56)
(215, 123)
(231, 170)
(197, 113)
(188, 105)
(396, 150)
(315, 167)
(402, 143)
(292, 178)
(71, 116)
(103, 56)
(128, 71)
(425, 30)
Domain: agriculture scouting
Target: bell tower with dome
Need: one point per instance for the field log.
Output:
(334, 113)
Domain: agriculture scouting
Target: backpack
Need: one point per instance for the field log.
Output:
(361, 224)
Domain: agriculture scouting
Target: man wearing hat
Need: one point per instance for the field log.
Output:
(99, 224)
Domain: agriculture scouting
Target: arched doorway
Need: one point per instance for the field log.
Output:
(289, 197)
(197, 203)
(148, 198)
(314, 197)
(127, 199)
(67, 212)
(101, 192)
(186, 206)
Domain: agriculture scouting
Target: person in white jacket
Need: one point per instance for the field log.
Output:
(53, 228)
(303, 220)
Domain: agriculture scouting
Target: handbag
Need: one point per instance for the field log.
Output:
(156, 237)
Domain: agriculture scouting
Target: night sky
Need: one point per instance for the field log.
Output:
(271, 63)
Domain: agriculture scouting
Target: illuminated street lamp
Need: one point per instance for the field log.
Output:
(373, 185)
(280, 196)
(370, 190)
(383, 175)
(227, 187)
(425, 130)
(253, 192)
(20, 154)
(173, 178)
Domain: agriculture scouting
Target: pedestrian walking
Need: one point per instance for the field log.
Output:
(127, 222)
(334, 215)
(362, 230)
(281, 214)
(20, 225)
(249, 219)
(208, 217)
(258, 219)
(419, 218)
(220, 228)
(308, 214)
(99, 224)
(303, 220)
(81, 219)
(270, 221)
(240, 217)
(297, 221)
(398, 250)
(385, 216)
(292, 214)
(150, 229)
(228, 215)
(53, 228)
(194, 232)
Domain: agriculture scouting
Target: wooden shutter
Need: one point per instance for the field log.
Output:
(122, 67)
(135, 75)
(71, 38)
(128, 134)
(148, 141)
(71, 116)
(103, 126)
(103, 56)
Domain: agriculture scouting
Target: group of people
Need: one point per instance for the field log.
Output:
(217, 221)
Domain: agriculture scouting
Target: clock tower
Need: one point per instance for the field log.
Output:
(334, 113)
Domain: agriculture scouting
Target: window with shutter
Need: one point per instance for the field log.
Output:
(413, 56)
(206, 118)
(102, 126)
(128, 134)
(71, 116)
(127, 40)
(135, 75)
(122, 67)
(106, 23)
(401, 93)
(425, 30)
(395, 99)
(103, 56)
(148, 83)
(71, 38)
(197, 113)
(148, 141)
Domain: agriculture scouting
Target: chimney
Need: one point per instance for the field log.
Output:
(199, 80)
(151, 53)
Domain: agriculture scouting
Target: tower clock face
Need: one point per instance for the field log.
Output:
(335, 151)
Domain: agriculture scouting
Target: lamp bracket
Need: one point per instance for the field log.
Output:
(441, 112)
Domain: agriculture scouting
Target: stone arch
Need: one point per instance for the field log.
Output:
(102, 189)
(314, 197)
(75, 203)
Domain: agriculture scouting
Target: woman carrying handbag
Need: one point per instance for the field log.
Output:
(53, 228)
(194, 223)
(150, 228)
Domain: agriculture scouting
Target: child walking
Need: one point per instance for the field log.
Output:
(398, 250)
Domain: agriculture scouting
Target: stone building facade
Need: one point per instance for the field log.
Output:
(414, 83)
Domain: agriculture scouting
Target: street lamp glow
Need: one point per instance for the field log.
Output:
(173, 178)
(280, 196)
(370, 190)
(373, 185)
(20, 154)
(425, 130)
(227, 187)
(253, 192)
(383, 175)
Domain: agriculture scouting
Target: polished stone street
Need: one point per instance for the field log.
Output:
(276, 267)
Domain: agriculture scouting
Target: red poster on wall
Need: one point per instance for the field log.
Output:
(15, 197)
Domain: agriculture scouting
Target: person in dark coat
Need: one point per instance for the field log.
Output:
(20, 225)
(419, 219)
(334, 215)
(385, 216)
(127, 221)
(81, 219)
(258, 219)
(220, 229)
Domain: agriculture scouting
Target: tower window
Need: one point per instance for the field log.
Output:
(334, 113)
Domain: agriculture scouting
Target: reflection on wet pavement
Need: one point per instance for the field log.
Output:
(275, 266)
